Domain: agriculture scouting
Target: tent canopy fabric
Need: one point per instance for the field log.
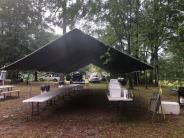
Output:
(75, 50)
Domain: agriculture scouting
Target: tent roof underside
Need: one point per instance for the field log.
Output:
(75, 50)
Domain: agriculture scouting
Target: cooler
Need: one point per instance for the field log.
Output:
(170, 108)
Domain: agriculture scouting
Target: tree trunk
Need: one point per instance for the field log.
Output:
(62, 77)
(17, 75)
(156, 65)
(152, 64)
(130, 75)
(64, 25)
(129, 47)
(27, 79)
(36, 76)
(156, 75)
(146, 82)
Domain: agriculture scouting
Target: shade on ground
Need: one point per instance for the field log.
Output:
(75, 50)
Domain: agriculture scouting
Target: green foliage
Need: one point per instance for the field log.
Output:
(174, 65)
(22, 28)
(64, 13)
(151, 30)
(91, 68)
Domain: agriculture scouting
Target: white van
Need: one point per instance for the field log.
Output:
(50, 77)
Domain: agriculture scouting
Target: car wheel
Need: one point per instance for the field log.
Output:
(41, 79)
(55, 80)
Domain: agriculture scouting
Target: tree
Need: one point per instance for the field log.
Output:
(155, 31)
(123, 17)
(22, 29)
(64, 13)
(21, 23)
(172, 64)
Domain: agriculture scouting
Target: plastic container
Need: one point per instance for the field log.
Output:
(47, 88)
(43, 88)
(61, 84)
(170, 108)
(125, 94)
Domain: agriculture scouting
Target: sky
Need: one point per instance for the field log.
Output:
(57, 30)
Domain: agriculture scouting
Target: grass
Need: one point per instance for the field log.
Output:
(88, 114)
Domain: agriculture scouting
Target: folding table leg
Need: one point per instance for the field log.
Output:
(38, 108)
(51, 102)
(162, 111)
(54, 101)
(32, 104)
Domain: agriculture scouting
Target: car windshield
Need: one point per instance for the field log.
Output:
(55, 75)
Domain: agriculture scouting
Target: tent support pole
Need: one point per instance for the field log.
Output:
(138, 83)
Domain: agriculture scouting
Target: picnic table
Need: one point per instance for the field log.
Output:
(51, 95)
(8, 87)
(7, 90)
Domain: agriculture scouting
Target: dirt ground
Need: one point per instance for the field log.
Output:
(87, 114)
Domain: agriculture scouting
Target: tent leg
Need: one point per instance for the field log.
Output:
(162, 111)
(38, 108)
(32, 109)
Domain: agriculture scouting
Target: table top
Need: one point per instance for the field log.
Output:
(119, 99)
(49, 95)
(6, 86)
(169, 103)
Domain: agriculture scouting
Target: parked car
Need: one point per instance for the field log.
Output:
(103, 78)
(16, 78)
(94, 79)
(50, 77)
(122, 81)
(75, 77)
